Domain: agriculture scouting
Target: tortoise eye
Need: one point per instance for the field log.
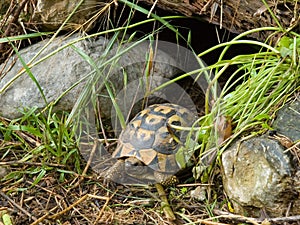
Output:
(176, 123)
(165, 134)
(131, 164)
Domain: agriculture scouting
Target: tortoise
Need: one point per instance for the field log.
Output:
(150, 149)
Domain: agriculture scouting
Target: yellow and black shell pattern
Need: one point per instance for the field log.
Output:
(150, 138)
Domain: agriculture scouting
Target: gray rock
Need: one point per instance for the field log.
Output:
(58, 73)
(258, 175)
(287, 120)
(55, 75)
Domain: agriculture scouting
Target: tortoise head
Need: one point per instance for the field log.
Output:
(137, 169)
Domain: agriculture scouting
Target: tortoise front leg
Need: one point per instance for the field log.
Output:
(165, 179)
(114, 173)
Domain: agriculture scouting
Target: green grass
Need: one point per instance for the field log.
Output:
(43, 142)
(265, 80)
(46, 142)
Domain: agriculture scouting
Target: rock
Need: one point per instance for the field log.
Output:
(287, 120)
(55, 75)
(62, 70)
(199, 193)
(257, 174)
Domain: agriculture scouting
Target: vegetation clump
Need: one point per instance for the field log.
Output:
(44, 178)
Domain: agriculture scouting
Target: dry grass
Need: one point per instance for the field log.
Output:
(84, 200)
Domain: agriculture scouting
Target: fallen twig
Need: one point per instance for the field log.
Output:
(164, 202)
(235, 217)
(17, 206)
(13, 20)
(103, 207)
(19, 162)
(54, 216)
(79, 201)
(207, 222)
(255, 221)
(39, 220)
(88, 163)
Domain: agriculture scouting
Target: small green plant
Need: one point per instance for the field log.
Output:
(40, 143)
(45, 144)
(261, 84)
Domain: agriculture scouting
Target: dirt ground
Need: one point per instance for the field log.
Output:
(85, 200)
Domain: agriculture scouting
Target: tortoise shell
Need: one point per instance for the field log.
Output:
(150, 137)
